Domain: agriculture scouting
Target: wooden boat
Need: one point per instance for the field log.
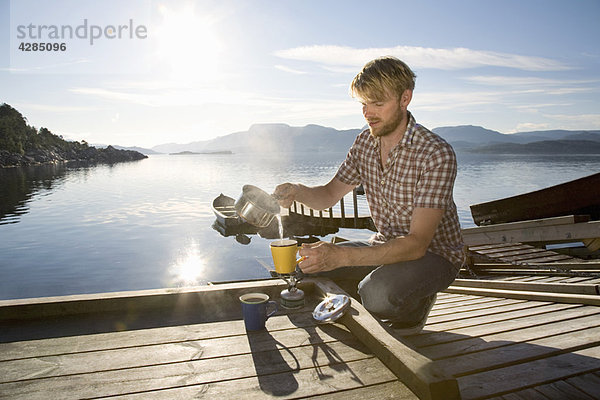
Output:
(578, 197)
(224, 209)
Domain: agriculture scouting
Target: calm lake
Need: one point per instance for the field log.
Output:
(148, 224)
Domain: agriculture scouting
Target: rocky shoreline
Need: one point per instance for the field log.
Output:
(22, 145)
(52, 155)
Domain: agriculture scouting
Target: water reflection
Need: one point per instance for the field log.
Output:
(21, 185)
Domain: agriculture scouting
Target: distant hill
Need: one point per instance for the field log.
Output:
(593, 135)
(138, 149)
(477, 139)
(265, 138)
(477, 134)
(470, 134)
(22, 144)
(543, 147)
(187, 153)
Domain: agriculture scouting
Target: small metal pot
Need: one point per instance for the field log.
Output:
(256, 206)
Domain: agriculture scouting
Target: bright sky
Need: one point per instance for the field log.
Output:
(209, 68)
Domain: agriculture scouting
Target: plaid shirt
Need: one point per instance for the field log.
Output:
(419, 173)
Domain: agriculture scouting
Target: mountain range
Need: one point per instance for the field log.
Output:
(476, 139)
(263, 138)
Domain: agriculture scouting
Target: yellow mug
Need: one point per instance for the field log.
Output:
(284, 255)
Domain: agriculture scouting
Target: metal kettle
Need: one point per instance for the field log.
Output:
(256, 206)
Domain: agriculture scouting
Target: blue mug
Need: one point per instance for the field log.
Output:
(254, 310)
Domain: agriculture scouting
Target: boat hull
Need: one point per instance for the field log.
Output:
(577, 197)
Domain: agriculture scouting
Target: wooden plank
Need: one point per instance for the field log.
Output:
(566, 321)
(304, 383)
(478, 319)
(482, 326)
(520, 248)
(479, 306)
(531, 257)
(221, 300)
(464, 303)
(538, 278)
(527, 394)
(236, 377)
(526, 295)
(573, 264)
(547, 279)
(545, 234)
(434, 321)
(414, 370)
(525, 270)
(513, 378)
(545, 259)
(590, 289)
(532, 223)
(561, 390)
(445, 299)
(35, 366)
(588, 383)
(487, 246)
(457, 298)
(523, 352)
(390, 390)
(512, 278)
(577, 279)
(535, 256)
(522, 254)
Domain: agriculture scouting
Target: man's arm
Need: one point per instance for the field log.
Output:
(317, 197)
(323, 256)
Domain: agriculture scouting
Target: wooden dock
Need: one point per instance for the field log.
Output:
(501, 338)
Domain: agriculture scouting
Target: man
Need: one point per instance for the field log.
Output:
(408, 176)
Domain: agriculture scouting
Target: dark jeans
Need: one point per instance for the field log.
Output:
(396, 292)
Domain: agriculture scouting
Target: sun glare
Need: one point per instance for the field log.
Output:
(187, 43)
(189, 268)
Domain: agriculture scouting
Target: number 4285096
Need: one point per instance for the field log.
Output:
(25, 46)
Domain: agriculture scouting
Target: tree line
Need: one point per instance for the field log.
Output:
(17, 136)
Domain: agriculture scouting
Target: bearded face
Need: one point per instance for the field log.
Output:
(383, 117)
(384, 126)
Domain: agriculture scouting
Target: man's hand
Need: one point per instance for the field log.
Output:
(319, 257)
(285, 194)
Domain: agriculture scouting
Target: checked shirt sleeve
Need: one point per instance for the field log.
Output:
(436, 182)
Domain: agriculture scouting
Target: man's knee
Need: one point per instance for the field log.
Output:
(377, 296)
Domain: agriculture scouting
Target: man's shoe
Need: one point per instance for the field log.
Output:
(408, 328)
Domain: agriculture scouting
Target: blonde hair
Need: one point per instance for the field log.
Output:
(382, 76)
